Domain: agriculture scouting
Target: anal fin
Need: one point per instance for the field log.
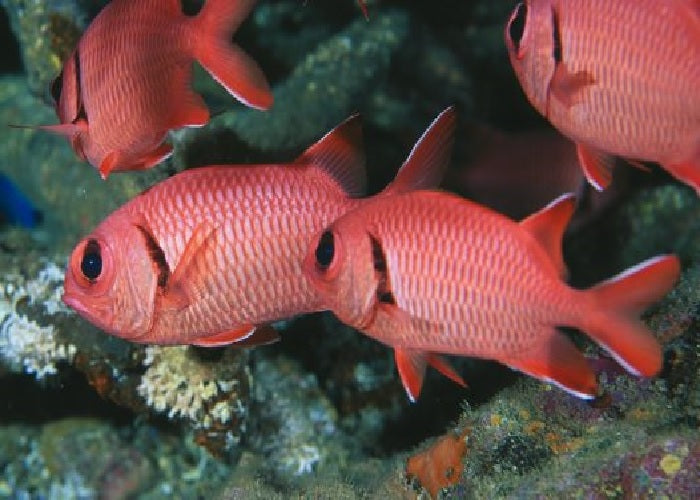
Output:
(688, 172)
(556, 359)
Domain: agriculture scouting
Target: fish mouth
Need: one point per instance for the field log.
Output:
(75, 303)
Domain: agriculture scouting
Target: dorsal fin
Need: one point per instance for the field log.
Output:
(429, 158)
(341, 154)
(547, 227)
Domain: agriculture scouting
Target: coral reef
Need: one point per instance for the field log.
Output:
(47, 32)
(322, 414)
(211, 395)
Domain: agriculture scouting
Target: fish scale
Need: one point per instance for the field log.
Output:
(131, 73)
(240, 269)
(212, 253)
(619, 103)
(625, 84)
(465, 280)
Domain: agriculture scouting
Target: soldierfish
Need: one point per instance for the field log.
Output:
(430, 273)
(618, 78)
(210, 254)
(127, 83)
(546, 167)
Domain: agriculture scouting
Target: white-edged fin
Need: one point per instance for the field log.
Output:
(340, 153)
(426, 164)
(411, 366)
(555, 359)
(548, 225)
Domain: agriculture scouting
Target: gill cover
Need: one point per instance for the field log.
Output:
(340, 267)
(111, 280)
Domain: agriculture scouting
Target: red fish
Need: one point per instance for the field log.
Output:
(127, 83)
(546, 167)
(429, 273)
(210, 254)
(618, 78)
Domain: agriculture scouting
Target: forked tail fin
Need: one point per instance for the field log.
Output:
(617, 303)
(225, 62)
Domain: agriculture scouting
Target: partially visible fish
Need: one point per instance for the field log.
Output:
(518, 173)
(127, 83)
(15, 207)
(429, 273)
(619, 78)
(211, 254)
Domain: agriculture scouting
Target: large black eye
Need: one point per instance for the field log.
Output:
(325, 250)
(56, 87)
(517, 24)
(91, 265)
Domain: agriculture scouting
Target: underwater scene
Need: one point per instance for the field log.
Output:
(349, 249)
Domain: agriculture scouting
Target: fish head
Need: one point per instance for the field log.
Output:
(111, 280)
(65, 92)
(530, 38)
(339, 265)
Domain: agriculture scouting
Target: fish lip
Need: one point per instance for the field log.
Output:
(75, 303)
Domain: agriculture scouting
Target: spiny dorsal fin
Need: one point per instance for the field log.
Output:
(429, 158)
(340, 153)
(548, 225)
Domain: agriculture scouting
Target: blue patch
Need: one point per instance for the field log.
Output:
(15, 207)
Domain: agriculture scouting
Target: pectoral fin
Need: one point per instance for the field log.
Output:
(568, 87)
(186, 281)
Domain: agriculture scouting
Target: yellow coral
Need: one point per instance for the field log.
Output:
(670, 464)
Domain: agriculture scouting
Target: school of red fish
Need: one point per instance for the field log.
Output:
(215, 255)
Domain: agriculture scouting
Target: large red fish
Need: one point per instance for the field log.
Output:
(427, 272)
(127, 83)
(210, 254)
(619, 78)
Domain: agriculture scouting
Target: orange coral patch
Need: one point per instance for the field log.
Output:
(440, 465)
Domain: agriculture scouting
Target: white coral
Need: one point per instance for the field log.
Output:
(24, 344)
(183, 387)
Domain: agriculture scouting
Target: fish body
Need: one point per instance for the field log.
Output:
(547, 164)
(428, 273)
(210, 254)
(618, 78)
(127, 83)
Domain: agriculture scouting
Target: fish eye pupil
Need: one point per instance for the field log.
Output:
(325, 250)
(91, 264)
(517, 24)
(56, 87)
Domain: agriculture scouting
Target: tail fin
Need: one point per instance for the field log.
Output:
(619, 301)
(227, 63)
(429, 158)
